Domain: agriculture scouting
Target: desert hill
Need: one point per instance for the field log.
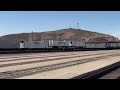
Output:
(63, 34)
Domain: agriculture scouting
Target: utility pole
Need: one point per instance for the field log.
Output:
(77, 25)
(18, 37)
(32, 35)
(70, 25)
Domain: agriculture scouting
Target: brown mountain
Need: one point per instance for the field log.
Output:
(67, 34)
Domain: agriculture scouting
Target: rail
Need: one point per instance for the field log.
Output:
(96, 74)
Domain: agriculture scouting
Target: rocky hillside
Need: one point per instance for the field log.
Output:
(67, 34)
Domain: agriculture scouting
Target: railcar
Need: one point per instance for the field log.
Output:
(95, 45)
(112, 45)
(76, 44)
(9, 45)
(56, 45)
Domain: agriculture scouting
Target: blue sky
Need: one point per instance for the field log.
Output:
(107, 22)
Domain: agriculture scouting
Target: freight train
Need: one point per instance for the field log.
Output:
(56, 44)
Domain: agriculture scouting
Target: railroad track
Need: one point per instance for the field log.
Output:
(38, 61)
(29, 54)
(108, 72)
(14, 58)
(35, 70)
(33, 54)
(43, 51)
